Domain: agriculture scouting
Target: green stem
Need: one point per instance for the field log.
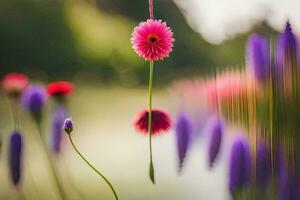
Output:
(52, 166)
(21, 195)
(89, 164)
(151, 167)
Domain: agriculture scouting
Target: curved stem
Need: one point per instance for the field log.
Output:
(151, 167)
(52, 166)
(89, 164)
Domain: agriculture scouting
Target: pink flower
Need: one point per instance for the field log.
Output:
(228, 85)
(152, 40)
(161, 122)
(14, 83)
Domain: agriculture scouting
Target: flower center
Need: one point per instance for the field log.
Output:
(152, 38)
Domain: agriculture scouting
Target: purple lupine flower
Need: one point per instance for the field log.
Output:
(263, 165)
(280, 164)
(33, 99)
(286, 50)
(68, 125)
(57, 128)
(240, 164)
(288, 178)
(289, 185)
(183, 129)
(258, 57)
(215, 140)
(15, 157)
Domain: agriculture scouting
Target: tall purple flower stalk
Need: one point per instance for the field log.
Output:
(15, 157)
(33, 100)
(263, 166)
(183, 129)
(57, 128)
(288, 178)
(258, 57)
(215, 140)
(239, 164)
(286, 50)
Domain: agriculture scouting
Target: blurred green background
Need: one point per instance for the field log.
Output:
(88, 42)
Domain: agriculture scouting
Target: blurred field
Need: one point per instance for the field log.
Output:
(104, 133)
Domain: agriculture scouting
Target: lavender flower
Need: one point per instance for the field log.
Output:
(289, 183)
(34, 99)
(240, 164)
(284, 176)
(57, 128)
(286, 51)
(263, 166)
(215, 141)
(15, 157)
(258, 57)
(183, 128)
(68, 125)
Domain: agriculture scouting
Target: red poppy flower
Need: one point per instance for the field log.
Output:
(14, 83)
(60, 88)
(161, 122)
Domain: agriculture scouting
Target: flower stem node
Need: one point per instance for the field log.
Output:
(68, 125)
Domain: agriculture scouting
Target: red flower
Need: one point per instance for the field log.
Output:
(161, 122)
(60, 88)
(14, 83)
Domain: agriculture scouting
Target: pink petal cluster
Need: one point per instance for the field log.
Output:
(152, 40)
(228, 85)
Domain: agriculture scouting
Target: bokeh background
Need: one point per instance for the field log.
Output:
(88, 42)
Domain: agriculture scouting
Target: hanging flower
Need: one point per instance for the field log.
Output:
(215, 140)
(15, 157)
(14, 83)
(183, 129)
(57, 128)
(33, 99)
(239, 164)
(60, 88)
(161, 122)
(152, 40)
(258, 57)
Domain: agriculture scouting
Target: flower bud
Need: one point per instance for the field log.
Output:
(68, 125)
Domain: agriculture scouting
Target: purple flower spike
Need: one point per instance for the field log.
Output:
(183, 128)
(258, 57)
(286, 49)
(15, 157)
(215, 141)
(57, 128)
(240, 164)
(263, 166)
(34, 99)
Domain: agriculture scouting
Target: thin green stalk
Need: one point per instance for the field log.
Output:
(89, 164)
(151, 167)
(21, 195)
(12, 112)
(52, 166)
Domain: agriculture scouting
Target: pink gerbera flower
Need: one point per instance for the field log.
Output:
(152, 40)
(161, 122)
